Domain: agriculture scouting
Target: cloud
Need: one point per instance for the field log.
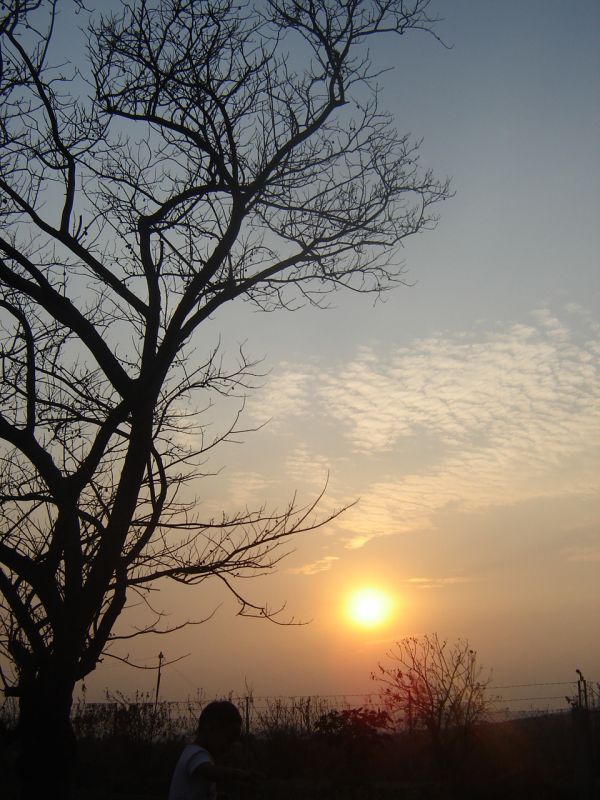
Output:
(584, 554)
(465, 420)
(438, 583)
(586, 548)
(322, 565)
(286, 395)
(307, 466)
(524, 384)
(575, 308)
(552, 324)
(248, 489)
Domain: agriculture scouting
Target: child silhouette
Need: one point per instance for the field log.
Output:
(196, 773)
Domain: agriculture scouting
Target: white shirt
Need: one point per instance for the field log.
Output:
(186, 783)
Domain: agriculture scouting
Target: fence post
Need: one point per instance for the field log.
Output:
(584, 756)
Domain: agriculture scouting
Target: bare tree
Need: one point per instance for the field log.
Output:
(201, 153)
(428, 684)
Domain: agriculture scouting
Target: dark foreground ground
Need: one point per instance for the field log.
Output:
(544, 758)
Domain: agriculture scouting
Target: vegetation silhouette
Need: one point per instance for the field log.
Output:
(309, 751)
(428, 684)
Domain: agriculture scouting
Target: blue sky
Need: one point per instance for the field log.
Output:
(463, 411)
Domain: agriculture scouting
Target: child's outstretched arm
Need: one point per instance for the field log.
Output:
(215, 772)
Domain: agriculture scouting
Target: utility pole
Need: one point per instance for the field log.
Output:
(160, 660)
(153, 721)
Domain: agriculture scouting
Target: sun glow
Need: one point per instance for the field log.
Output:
(369, 607)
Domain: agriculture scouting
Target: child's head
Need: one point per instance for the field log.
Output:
(219, 725)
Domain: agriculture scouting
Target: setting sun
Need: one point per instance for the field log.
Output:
(369, 607)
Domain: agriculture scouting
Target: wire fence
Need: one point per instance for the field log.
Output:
(148, 714)
(301, 713)
(518, 699)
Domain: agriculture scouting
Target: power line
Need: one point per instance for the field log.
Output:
(526, 699)
(373, 697)
(528, 685)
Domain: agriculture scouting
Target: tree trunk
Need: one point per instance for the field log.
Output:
(46, 739)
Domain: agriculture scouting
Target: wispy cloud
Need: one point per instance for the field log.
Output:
(589, 554)
(248, 489)
(322, 565)
(470, 420)
(306, 465)
(528, 385)
(499, 418)
(586, 548)
(287, 394)
(439, 582)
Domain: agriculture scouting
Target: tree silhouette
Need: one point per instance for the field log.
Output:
(431, 685)
(201, 153)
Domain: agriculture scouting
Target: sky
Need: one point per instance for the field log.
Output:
(462, 413)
